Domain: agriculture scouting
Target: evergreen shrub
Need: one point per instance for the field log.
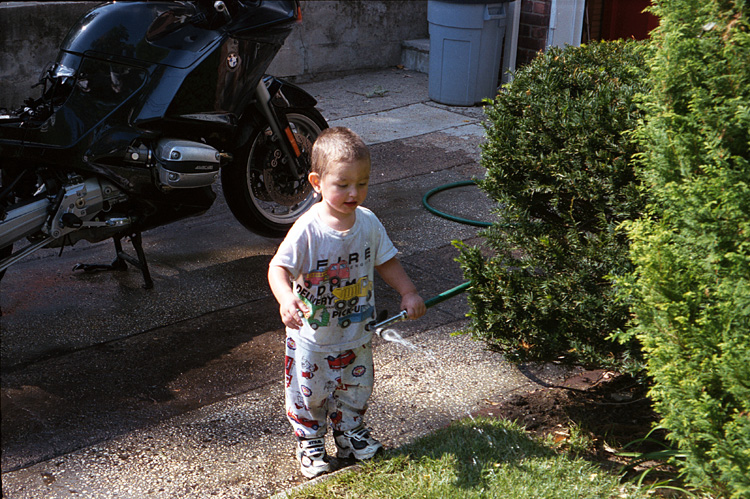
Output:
(691, 287)
(558, 157)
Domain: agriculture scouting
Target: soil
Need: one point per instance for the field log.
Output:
(611, 409)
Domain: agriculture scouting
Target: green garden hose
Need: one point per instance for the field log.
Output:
(447, 294)
(379, 326)
(454, 218)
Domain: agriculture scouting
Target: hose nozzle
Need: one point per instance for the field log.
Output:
(379, 326)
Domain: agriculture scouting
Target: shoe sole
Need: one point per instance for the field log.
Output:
(352, 454)
(311, 472)
(315, 475)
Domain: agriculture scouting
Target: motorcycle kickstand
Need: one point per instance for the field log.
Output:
(139, 261)
(119, 263)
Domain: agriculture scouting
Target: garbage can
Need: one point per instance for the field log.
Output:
(466, 46)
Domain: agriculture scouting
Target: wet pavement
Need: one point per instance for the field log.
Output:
(110, 390)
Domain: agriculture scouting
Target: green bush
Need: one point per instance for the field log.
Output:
(558, 159)
(691, 287)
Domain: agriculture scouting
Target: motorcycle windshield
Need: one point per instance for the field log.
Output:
(255, 14)
(149, 32)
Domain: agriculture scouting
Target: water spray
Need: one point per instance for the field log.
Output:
(379, 326)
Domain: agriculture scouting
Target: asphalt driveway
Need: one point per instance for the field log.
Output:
(110, 390)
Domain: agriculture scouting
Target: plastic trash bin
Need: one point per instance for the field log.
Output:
(466, 47)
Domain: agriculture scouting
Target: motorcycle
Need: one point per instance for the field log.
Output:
(146, 106)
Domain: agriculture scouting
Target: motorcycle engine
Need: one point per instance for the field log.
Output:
(186, 164)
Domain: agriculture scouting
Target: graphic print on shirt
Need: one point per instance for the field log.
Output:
(333, 274)
(335, 295)
(361, 288)
(312, 316)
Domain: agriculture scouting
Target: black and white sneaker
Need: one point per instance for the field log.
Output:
(356, 444)
(312, 457)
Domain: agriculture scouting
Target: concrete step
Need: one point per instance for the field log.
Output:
(415, 55)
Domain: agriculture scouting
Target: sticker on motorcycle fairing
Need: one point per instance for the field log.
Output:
(233, 61)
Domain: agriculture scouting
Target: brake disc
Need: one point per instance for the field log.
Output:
(277, 184)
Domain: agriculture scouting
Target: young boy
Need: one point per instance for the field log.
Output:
(322, 276)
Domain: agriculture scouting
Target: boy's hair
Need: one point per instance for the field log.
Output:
(337, 144)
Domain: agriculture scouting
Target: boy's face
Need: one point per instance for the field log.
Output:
(343, 187)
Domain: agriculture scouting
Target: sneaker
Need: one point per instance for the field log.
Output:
(312, 457)
(356, 443)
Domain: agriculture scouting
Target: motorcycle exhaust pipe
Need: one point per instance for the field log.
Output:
(23, 221)
(4, 264)
(20, 223)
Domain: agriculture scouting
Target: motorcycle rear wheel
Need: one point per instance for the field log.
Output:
(258, 188)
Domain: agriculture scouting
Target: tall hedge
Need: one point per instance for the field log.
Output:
(558, 157)
(692, 254)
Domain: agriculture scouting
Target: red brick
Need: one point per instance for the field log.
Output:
(538, 31)
(541, 7)
(534, 20)
(533, 43)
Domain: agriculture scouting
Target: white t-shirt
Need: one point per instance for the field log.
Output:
(334, 273)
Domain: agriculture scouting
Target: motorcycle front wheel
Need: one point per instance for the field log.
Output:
(258, 187)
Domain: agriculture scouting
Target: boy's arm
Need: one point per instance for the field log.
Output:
(289, 304)
(395, 276)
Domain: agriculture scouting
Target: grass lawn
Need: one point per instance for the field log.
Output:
(479, 458)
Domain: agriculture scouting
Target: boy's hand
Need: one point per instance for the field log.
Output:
(414, 305)
(394, 274)
(290, 309)
(290, 305)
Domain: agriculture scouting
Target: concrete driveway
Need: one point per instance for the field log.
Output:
(110, 390)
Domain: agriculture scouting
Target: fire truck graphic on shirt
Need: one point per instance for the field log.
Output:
(332, 274)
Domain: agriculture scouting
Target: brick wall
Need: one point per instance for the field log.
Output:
(532, 29)
(592, 23)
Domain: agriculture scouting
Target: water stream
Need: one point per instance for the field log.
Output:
(393, 336)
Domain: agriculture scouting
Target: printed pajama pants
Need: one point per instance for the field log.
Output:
(327, 385)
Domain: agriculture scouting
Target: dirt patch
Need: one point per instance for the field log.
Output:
(611, 409)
